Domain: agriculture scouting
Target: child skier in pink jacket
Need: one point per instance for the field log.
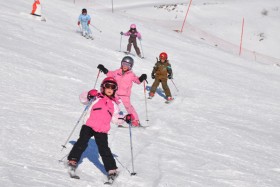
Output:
(133, 34)
(101, 112)
(125, 79)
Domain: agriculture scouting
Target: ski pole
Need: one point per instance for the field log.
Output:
(131, 149)
(96, 79)
(147, 119)
(95, 27)
(80, 29)
(123, 165)
(82, 115)
(61, 160)
(121, 44)
(142, 48)
(174, 85)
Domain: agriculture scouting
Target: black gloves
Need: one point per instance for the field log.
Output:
(143, 77)
(153, 76)
(102, 69)
(170, 76)
(121, 33)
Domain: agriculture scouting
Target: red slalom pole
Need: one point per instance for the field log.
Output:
(240, 48)
(186, 16)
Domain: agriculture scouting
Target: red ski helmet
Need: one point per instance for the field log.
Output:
(163, 56)
(133, 26)
(110, 81)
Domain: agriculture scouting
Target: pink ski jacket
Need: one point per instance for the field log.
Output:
(124, 80)
(136, 34)
(102, 111)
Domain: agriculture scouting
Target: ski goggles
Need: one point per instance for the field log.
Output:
(111, 86)
(126, 64)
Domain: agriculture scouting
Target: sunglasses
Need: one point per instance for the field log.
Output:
(111, 86)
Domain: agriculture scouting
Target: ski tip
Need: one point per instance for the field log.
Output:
(75, 177)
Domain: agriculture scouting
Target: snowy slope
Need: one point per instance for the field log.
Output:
(221, 130)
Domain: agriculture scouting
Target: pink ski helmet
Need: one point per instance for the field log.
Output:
(133, 26)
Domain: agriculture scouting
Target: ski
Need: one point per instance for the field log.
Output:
(144, 126)
(111, 179)
(88, 37)
(134, 127)
(35, 17)
(129, 53)
(169, 101)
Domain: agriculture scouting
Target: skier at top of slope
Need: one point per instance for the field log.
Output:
(36, 8)
(84, 20)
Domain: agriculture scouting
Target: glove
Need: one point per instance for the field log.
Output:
(102, 69)
(140, 38)
(121, 33)
(153, 76)
(143, 77)
(128, 118)
(91, 94)
(169, 76)
(78, 23)
(88, 22)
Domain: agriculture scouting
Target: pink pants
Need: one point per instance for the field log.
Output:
(129, 108)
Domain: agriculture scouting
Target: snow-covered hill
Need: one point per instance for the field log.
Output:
(222, 129)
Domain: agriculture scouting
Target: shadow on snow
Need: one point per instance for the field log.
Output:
(92, 154)
(159, 91)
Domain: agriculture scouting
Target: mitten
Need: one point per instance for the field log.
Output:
(143, 77)
(88, 22)
(121, 33)
(102, 69)
(91, 94)
(153, 76)
(170, 76)
(78, 23)
(128, 118)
